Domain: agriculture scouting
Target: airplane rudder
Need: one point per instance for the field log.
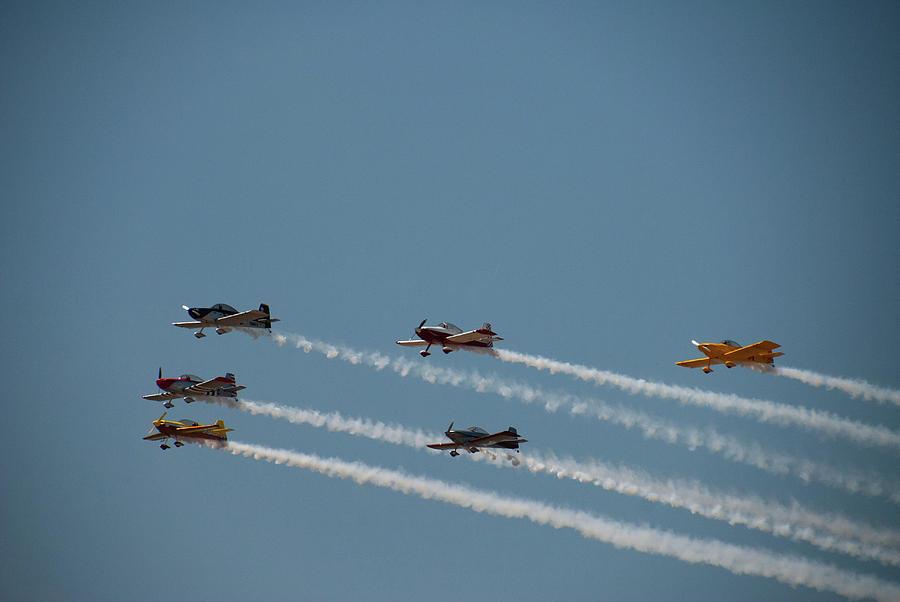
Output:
(264, 307)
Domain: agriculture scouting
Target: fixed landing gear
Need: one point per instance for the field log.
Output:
(164, 447)
(454, 453)
(169, 405)
(179, 444)
(446, 349)
(199, 335)
(424, 353)
(707, 370)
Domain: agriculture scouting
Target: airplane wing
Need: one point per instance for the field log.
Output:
(208, 387)
(415, 343)
(200, 429)
(491, 440)
(188, 324)
(446, 446)
(697, 363)
(238, 319)
(162, 396)
(761, 351)
(472, 336)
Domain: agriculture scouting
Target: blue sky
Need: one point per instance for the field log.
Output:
(601, 182)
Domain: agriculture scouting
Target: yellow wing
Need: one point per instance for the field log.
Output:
(757, 352)
(697, 363)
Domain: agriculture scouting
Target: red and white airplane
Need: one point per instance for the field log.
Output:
(451, 337)
(224, 318)
(191, 387)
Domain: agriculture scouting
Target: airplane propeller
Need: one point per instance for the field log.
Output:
(160, 373)
(419, 327)
(185, 307)
(449, 428)
(156, 423)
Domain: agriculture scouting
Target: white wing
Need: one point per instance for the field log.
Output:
(238, 319)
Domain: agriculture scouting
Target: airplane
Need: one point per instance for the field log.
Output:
(451, 337)
(224, 317)
(190, 387)
(476, 437)
(757, 356)
(186, 429)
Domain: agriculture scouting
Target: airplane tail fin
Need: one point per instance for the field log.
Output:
(221, 429)
(513, 430)
(265, 309)
(486, 329)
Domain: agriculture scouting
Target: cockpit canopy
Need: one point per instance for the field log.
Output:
(223, 307)
(451, 327)
(478, 429)
(191, 377)
(732, 343)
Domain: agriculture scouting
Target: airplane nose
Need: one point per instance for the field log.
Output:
(192, 312)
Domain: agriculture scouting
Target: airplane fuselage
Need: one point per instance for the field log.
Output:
(436, 335)
(175, 385)
(208, 314)
(172, 431)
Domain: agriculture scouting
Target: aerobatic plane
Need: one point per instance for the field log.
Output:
(186, 429)
(475, 438)
(757, 356)
(224, 318)
(451, 337)
(193, 387)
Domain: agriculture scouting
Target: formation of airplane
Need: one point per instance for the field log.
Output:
(758, 356)
(186, 429)
(450, 337)
(224, 318)
(191, 387)
(475, 438)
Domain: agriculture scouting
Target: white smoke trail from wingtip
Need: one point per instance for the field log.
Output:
(726, 446)
(739, 560)
(761, 410)
(855, 387)
(798, 523)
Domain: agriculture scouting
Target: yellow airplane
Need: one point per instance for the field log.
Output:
(187, 429)
(757, 356)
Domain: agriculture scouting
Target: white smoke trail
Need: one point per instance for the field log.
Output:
(763, 411)
(796, 522)
(729, 447)
(792, 570)
(855, 387)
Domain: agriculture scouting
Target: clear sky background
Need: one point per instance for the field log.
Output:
(603, 182)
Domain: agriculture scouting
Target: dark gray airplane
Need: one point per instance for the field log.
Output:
(224, 317)
(475, 438)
